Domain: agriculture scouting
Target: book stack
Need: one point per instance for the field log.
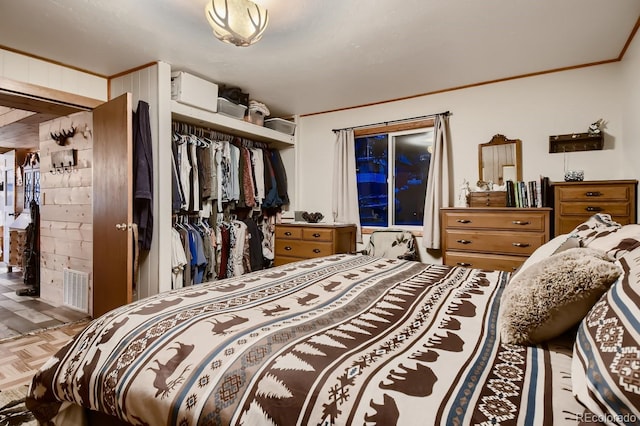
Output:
(534, 193)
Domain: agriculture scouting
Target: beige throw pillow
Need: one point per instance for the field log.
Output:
(553, 295)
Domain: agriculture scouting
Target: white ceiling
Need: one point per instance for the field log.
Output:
(320, 55)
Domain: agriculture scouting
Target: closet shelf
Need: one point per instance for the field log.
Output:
(234, 126)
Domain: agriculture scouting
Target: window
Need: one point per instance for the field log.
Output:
(392, 165)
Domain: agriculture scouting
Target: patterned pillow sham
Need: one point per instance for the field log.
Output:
(605, 371)
(553, 295)
(597, 226)
(617, 244)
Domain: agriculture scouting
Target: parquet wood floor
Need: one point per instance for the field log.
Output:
(20, 357)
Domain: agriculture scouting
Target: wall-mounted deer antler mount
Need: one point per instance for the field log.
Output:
(62, 136)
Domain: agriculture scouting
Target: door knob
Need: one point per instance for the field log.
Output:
(121, 226)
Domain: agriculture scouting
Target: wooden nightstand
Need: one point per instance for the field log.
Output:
(298, 241)
(575, 202)
(493, 238)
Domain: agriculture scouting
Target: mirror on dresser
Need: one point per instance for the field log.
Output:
(500, 160)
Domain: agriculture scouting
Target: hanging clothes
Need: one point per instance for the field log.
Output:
(31, 254)
(234, 173)
(248, 187)
(272, 199)
(280, 175)
(143, 175)
(194, 197)
(255, 245)
(185, 170)
(199, 260)
(240, 249)
(217, 178)
(178, 201)
(178, 260)
(257, 161)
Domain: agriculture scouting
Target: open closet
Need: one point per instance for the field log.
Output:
(152, 84)
(227, 192)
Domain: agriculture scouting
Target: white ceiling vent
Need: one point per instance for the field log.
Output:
(75, 286)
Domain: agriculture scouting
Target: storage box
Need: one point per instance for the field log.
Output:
(281, 125)
(255, 117)
(194, 91)
(230, 109)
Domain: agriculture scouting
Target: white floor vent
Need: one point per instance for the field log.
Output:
(75, 286)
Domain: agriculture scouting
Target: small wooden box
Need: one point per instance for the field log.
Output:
(488, 199)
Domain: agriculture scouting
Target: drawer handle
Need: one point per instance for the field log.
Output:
(316, 250)
(287, 248)
(463, 221)
(593, 193)
(288, 234)
(593, 209)
(520, 222)
(463, 264)
(463, 241)
(316, 235)
(520, 244)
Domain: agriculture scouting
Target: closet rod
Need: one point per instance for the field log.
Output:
(180, 126)
(386, 123)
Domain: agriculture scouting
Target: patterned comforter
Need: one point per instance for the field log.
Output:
(340, 340)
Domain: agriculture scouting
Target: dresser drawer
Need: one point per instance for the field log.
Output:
(595, 193)
(303, 249)
(520, 243)
(318, 234)
(288, 232)
(485, 261)
(520, 221)
(597, 206)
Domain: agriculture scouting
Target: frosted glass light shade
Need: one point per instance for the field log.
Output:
(238, 22)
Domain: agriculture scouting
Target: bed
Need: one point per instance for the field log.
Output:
(339, 340)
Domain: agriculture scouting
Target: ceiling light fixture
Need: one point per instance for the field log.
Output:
(239, 22)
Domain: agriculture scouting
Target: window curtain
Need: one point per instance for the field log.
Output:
(438, 183)
(345, 190)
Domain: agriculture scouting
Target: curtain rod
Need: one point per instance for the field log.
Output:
(386, 123)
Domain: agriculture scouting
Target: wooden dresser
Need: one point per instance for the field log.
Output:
(575, 202)
(298, 241)
(492, 237)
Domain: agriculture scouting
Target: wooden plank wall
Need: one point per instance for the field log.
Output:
(66, 231)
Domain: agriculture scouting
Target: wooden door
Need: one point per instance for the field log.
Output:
(112, 205)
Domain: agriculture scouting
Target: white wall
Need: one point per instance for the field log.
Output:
(631, 110)
(46, 74)
(530, 109)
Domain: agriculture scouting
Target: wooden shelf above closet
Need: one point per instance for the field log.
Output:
(234, 126)
(576, 142)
